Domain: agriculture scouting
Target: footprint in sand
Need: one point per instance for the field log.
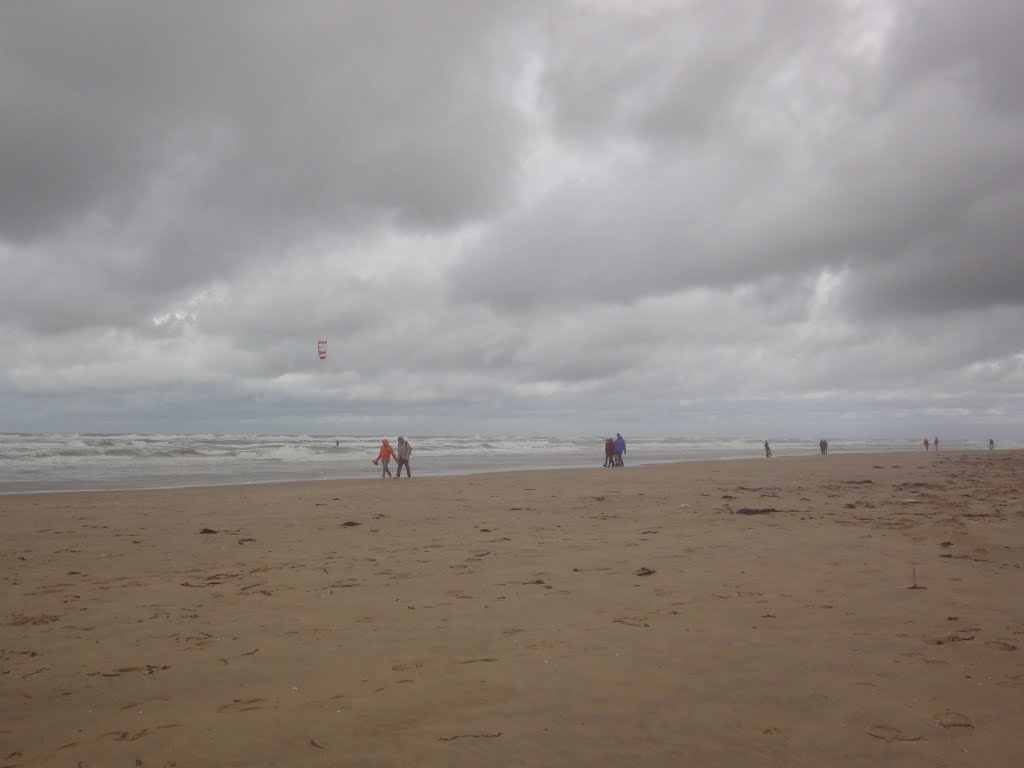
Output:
(950, 719)
(891, 733)
(20, 620)
(1015, 681)
(126, 735)
(241, 705)
(949, 639)
(1001, 645)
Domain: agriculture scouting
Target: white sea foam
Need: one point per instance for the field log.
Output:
(82, 461)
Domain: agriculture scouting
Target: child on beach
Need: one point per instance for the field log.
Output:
(767, 450)
(384, 456)
(609, 452)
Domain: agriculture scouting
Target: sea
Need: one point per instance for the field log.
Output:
(32, 463)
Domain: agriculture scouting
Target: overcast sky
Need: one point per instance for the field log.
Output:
(707, 218)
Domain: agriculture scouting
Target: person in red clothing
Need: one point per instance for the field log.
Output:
(935, 442)
(926, 443)
(609, 452)
(384, 457)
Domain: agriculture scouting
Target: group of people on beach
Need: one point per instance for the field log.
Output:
(613, 450)
(935, 444)
(400, 454)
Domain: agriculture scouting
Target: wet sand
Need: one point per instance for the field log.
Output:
(733, 613)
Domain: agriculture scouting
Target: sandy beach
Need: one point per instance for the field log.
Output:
(732, 613)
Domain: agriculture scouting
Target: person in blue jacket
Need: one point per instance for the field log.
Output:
(620, 448)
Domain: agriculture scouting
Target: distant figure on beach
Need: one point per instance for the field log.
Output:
(926, 443)
(403, 454)
(935, 442)
(991, 444)
(823, 445)
(384, 457)
(767, 450)
(609, 452)
(337, 443)
(620, 448)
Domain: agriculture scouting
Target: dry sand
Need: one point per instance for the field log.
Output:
(589, 618)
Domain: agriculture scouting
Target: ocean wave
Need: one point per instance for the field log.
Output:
(89, 460)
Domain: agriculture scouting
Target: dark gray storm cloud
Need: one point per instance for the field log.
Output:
(824, 143)
(975, 45)
(698, 215)
(160, 145)
(675, 73)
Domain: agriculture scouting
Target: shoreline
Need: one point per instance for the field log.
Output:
(491, 471)
(716, 612)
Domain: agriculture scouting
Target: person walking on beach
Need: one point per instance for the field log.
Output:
(935, 442)
(384, 457)
(926, 443)
(991, 444)
(609, 452)
(403, 454)
(767, 450)
(620, 448)
(823, 445)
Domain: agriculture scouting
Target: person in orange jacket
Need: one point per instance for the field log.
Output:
(384, 457)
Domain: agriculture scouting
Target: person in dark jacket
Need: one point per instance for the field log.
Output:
(402, 454)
